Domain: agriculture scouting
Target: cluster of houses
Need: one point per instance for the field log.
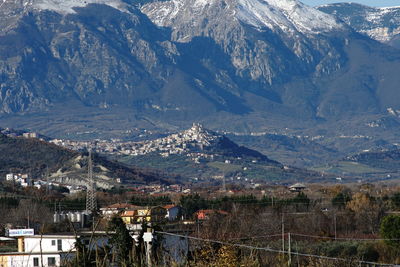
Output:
(24, 180)
(53, 250)
(13, 133)
(194, 139)
(157, 188)
(133, 214)
(21, 179)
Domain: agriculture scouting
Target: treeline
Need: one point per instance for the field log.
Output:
(192, 203)
(298, 203)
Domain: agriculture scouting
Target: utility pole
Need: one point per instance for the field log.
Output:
(148, 238)
(283, 233)
(334, 221)
(289, 251)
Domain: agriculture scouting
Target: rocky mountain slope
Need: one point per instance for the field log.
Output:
(105, 67)
(381, 24)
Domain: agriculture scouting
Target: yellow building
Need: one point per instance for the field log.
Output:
(141, 214)
(129, 216)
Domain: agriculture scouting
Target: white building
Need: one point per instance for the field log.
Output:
(22, 179)
(10, 177)
(50, 243)
(172, 212)
(50, 250)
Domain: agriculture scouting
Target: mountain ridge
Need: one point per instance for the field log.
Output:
(381, 24)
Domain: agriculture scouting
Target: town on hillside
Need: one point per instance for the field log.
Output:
(47, 222)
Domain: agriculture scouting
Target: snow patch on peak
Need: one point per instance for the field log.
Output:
(67, 6)
(163, 12)
(201, 3)
(389, 7)
(288, 15)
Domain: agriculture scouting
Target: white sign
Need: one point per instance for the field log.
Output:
(20, 232)
(147, 237)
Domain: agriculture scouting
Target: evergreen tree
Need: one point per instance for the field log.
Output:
(121, 241)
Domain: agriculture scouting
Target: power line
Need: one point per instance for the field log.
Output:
(315, 236)
(345, 238)
(255, 237)
(270, 249)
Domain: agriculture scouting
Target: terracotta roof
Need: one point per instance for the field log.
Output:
(212, 212)
(167, 207)
(128, 213)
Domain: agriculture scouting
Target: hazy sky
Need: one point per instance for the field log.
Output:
(365, 2)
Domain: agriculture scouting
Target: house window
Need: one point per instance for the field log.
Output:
(59, 244)
(35, 262)
(53, 242)
(51, 261)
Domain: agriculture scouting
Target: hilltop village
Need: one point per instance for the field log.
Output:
(191, 142)
(160, 223)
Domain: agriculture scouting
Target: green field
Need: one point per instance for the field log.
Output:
(349, 167)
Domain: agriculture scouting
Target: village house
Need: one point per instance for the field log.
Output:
(139, 215)
(49, 250)
(129, 216)
(22, 179)
(298, 187)
(33, 250)
(202, 215)
(172, 212)
(116, 208)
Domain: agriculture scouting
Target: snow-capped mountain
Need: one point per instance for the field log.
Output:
(286, 15)
(381, 24)
(99, 66)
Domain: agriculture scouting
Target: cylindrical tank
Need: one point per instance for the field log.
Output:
(73, 217)
(57, 217)
(78, 216)
(69, 216)
(63, 217)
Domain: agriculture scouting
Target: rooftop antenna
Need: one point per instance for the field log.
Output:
(91, 204)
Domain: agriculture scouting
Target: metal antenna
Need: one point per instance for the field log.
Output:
(91, 203)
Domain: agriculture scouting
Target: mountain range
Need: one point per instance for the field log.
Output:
(381, 24)
(104, 67)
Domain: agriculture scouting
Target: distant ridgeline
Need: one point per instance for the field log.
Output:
(386, 160)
